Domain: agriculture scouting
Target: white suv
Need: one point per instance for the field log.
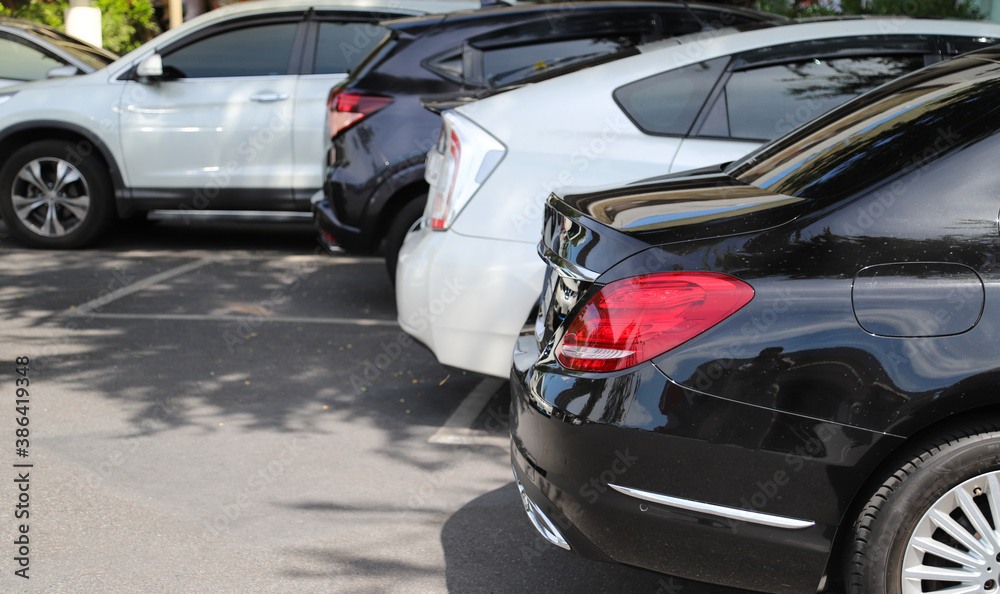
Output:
(469, 276)
(223, 112)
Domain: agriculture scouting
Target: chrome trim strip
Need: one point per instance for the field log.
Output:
(732, 513)
(564, 267)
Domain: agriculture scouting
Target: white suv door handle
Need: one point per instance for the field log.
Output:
(268, 97)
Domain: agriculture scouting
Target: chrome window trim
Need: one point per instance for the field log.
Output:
(731, 513)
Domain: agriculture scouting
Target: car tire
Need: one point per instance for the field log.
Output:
(401, 225)
(935, 516)
(51, 197)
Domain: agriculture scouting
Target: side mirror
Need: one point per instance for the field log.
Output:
(62, 72)
(150, 67)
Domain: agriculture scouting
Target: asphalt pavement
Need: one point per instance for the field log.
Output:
(215, 405)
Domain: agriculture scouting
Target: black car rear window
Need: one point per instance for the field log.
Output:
(864, 143)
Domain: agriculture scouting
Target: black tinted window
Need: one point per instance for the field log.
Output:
(341, 46)
(668, 103)
(264, 50)
(450, 66)
(907, 125)
(510, 64)
(959, 45)
(768, 101)
(718, 19)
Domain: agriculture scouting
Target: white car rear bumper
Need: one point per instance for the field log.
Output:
(467, 298)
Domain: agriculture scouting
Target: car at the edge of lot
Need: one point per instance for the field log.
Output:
(32, 51)
(784, 372)
(674, 107)
(223, 112)
(380, 133)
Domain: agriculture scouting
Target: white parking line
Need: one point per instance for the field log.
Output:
(145, 283)
(457, 430)
(240, 318)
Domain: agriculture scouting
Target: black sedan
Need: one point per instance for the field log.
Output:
(31, 51)
(782, 375)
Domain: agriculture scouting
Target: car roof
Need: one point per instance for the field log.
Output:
(515, 10)
(846, 26)
(264, 7)
(56, 41)
(676, 52)
(23, 23)
(412, 7)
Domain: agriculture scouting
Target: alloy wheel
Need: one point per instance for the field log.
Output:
(50, 196)
(955, 547)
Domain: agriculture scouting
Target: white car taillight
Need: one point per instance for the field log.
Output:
(464, 157)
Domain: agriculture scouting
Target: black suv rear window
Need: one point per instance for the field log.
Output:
(508, 65)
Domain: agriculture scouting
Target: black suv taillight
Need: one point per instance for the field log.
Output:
(345, 109)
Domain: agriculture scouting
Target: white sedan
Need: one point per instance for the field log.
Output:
(223, 112)
(469, 275)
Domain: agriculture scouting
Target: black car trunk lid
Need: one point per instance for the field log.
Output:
(585, 235)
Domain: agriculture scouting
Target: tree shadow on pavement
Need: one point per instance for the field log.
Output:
(245, 371)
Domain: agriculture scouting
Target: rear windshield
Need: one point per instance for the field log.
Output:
(906, 124)
(510, 65)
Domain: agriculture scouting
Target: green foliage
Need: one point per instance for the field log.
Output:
(962, 9)
(125, 24)
(47, 13)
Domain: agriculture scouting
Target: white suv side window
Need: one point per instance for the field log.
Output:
(262, 50)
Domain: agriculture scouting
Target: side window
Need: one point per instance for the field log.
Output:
(668, 103)
(507, 65)
(765, 102)
(341, 46)
(450, 65)
(263, 50)
(21, 62)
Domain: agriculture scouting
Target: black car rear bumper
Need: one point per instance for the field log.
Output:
(751, 497)
(332, 232)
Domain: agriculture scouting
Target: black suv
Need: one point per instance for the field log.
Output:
(380, 132)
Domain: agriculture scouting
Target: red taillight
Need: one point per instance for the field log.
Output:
(346, 109)
(442, 204)
(635, 319)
